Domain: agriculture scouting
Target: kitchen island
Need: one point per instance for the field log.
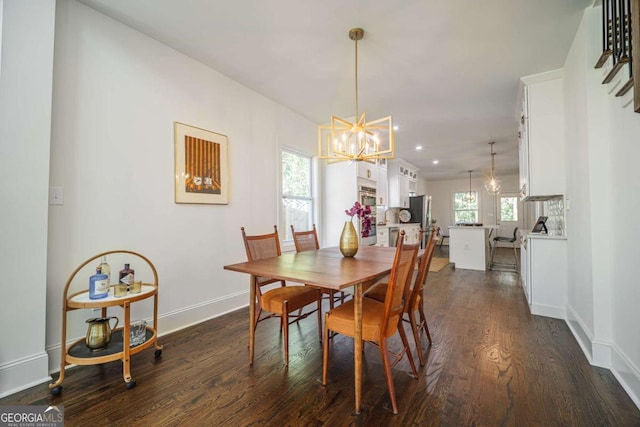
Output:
(469, 246)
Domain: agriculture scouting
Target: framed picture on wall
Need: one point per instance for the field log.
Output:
(201, 165)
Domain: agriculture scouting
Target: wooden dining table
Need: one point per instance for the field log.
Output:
(326, 268)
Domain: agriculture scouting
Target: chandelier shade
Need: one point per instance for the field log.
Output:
(342, 140)
(492, 184)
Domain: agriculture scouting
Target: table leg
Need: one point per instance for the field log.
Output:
(126, 353)
(252, 316)
(357, 352)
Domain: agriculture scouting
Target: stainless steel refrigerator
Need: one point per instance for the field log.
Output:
(420, 208)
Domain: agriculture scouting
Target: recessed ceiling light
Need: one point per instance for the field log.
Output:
(435, 162)
(396, 127)
(418, 147)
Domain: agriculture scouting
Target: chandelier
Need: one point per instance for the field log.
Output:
(471, 195)
(493, 184)
(360, 141)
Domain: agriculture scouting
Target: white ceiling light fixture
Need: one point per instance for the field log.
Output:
(471, 195)
(418, 147)
(493, 184)
(360, 141)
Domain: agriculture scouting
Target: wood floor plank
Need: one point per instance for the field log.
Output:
(491, 364)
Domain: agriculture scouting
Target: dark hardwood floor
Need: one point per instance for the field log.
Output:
(491, 364)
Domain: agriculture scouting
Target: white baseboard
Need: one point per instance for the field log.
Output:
(173, 321)
(627, 374)
(549, 311)
(23, 373)
(606, 355)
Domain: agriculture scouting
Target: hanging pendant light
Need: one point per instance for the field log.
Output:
(493, 184)
(471, 195)
(345, 141)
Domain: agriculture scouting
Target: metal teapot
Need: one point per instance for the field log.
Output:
(99, 332)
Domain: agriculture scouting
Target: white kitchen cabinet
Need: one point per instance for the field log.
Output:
(411, 233)
(383, 184)
(545, 275)
(524, 268)
(382, 233)
(541, 132)
(367, 171)
(402, 177)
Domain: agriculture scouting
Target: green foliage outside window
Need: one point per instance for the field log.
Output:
(297, 203)
(508, 208)
(465, 210)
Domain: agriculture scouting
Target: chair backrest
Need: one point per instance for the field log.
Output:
(305, 240)
(515, 232)
(401, 271)
(423, 271)
(260, 247)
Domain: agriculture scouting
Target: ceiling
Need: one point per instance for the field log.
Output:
(447, 71)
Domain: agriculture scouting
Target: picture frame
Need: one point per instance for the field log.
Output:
(201, 165)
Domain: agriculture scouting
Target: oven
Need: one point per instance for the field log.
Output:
(367, 196)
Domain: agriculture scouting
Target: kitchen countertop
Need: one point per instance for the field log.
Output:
(543, 236)
(472, 227)
(399, 224)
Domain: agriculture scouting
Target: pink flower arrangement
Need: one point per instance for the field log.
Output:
(364, 213)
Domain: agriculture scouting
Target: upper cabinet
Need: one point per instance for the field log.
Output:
(368, 171)
(541, 133)
(402, 177)
(383, 184)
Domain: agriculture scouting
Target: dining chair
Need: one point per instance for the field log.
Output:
(279, 302)
(415, 299)
(380, 320)
(442, 236)
(514, 242)
(308, 241)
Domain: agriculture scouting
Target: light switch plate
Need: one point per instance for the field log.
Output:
(56, 195)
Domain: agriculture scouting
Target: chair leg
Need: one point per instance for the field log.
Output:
(416, 335)
(493, 253)
(285, 318)
(325, 351)
(405, 342)
(386, 363)
(331, 293)
(423, 321)
(515, 254)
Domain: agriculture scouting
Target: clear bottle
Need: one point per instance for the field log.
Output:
(127, 275)
(98, 285)
(106, 268)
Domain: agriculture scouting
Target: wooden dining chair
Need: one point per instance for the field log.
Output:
(380, 320)
(415, 299)
(279, 302)
(308, 241)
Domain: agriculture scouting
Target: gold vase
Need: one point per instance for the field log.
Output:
(349, 240)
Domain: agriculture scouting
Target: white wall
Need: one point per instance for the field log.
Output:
(602, 152)
(116, 96)
(27, 28)
(442, 198)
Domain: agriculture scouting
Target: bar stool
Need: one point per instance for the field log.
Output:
(502, 265)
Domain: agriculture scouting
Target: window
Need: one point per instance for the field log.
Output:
(465, 210)
(508, 208)
(297, 203)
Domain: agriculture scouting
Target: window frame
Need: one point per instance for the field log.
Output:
(515, 207)
(285, 230)
(476, 209)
